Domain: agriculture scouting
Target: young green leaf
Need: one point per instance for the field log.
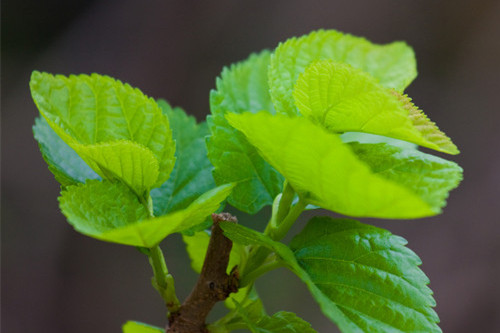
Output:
(325, 171)
(242, 87)
(63, 162)
(96, 114)
(124, 160)
(152, 231)
(246, 236)
(392, 64)
(246, 302)
(345, 99)
(369, 274)
(430, 177)
(111, 212)
(192, 173)
(137, 327)
(96, 207)
(280, 322)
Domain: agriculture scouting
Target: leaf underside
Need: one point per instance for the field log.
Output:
(325, 171)
(67, 167)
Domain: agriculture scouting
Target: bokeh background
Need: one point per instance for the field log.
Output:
(56, 280)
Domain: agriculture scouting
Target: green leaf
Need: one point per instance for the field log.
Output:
(63, 162)
(124, 160)
(96, 114)
(197, 245)
(242, 87)
(363, 278)
(369, 274)
(345, 99)
(137, 327)
(152, 231)
(246, 300)
(393, 65)
(192, 173)
(112, 212)
(325, 171)
(280, 322)
(246, 236)
(430, 177)
(96, 207)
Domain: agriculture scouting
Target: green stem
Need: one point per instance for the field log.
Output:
(162, 280)
(285, 202)
(284, 226)
(159, 266)
(262, 269)
(276, 229)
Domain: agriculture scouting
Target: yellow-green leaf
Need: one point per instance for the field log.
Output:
(345, 99)
(393, 65)
(325, 171)
(90, 111)
(112, 212)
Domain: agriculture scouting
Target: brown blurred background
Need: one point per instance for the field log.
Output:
(56, 280)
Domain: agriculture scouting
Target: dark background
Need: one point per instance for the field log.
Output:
(56, 280)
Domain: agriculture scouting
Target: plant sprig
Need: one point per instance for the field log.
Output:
(320, 122)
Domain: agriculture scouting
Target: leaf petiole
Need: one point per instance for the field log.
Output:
(272, 262)
(162, 281)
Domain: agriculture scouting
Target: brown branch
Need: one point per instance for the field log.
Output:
(213, 284)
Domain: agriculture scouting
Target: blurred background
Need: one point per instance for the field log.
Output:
(56, 280)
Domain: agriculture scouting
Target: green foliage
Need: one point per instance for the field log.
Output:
(280, 322)
(392, 64)
(96, 207)
(242, 87)
(345, 99)
(327, 173)
(109, 212)
(320, 122)
(363, 277)
(430, 177)
(191, 176)
(118, 131)
(63, 162)
(368, 273)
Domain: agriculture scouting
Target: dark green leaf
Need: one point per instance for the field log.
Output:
(368, 273)
(192, 173)
(242, 87)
